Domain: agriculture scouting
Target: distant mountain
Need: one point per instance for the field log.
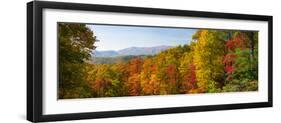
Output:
(112, 60)
(109, 53)
(143, 50)
(132, 51)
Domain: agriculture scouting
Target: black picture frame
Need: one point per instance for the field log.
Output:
(34, 60)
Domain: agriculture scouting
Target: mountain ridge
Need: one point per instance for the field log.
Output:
(131, 51)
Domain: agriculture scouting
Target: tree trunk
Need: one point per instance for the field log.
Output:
(251, 36)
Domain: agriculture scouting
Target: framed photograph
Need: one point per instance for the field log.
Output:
(95, 61)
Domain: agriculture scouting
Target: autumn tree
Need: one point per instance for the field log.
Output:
(241, 63)
(187, 73)
(150, 83)
(208, 55)
(133, 83)
(167, 70)
(122, 76)
(75, 44)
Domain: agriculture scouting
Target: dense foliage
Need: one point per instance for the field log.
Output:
(75, 44)
(215, 61)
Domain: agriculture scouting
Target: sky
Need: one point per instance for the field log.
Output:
(119, 37)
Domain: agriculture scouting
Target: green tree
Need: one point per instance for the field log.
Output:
(75, 44)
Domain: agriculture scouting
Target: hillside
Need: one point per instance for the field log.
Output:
(116, 59)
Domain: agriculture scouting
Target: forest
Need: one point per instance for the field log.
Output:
(215, 61)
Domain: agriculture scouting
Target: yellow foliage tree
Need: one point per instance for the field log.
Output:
(208, 54)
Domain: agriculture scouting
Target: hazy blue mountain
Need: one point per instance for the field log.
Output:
(143, 50)
(131, 51)
(112, 60)
(109, 53)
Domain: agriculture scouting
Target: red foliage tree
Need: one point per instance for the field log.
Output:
(171, 71)
(133, 84)
(190, 82)
(239, 41)
(135, 66)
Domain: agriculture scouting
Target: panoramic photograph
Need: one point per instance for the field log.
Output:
(101, 60)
